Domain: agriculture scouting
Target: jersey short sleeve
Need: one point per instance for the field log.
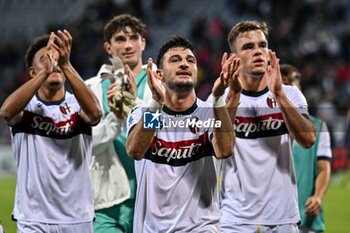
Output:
(134, 117)
(297, 98)
(324, 145)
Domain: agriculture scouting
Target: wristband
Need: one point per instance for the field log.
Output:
(155, 106)
(219, 101)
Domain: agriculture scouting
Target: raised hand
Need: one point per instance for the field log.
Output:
(62, 44)
(52, 55)
(229, 75)
(274, 78)
(131, 80)
(121, 99)
(115, 106)
(235, 82)
(158, 90)
(225, 61)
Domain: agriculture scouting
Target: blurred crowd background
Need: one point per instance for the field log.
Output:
(313, 35)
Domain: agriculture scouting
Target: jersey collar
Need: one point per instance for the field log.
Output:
(255, 93)
(185, 112)
(47, 103)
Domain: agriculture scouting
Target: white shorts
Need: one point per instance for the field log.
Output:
(38, 227)
(252, 228)
(303, 229)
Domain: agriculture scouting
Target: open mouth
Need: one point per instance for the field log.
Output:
(54, 84)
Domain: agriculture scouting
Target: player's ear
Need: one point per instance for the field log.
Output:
(108, 48)
(31, 72)
(160, 74)
(143, 44)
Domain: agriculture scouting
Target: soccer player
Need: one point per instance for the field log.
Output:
(258, 190)
(312, 167)
(176, 165)
(51, 141)
(113, 171)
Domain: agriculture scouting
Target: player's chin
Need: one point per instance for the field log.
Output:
(258, 72)
(130, 61)
(54, 85)
(184, 86)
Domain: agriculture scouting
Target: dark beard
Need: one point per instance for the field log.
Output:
(182, 87)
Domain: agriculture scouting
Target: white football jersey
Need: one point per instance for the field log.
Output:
(52, 149)
(177, 188)
(258, 183)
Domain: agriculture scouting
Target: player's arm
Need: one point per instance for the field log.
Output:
(224, 137)
(323, 177)
(139, 139)
(232, 102)
(324, 155)
(235, 85)
(313, 203)
(90, 109)
(105, 132)
(12, 108)
(110, 126)
(299, 127)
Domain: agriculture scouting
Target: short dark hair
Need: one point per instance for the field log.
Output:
(174, 42)
(290, 74)
(38, 43)
(122, 21)
(245, 26)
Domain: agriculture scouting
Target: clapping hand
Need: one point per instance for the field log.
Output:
(59, 47)
(274, 78)
(121, 99)
(158, 90)
(229, 76)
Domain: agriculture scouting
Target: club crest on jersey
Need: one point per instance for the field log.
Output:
(193, 127)
(65, 108)
(271, 101)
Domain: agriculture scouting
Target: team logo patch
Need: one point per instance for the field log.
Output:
(65, 108)
(151, 120)
(271, 102)
(131, 120)
(193, 127)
